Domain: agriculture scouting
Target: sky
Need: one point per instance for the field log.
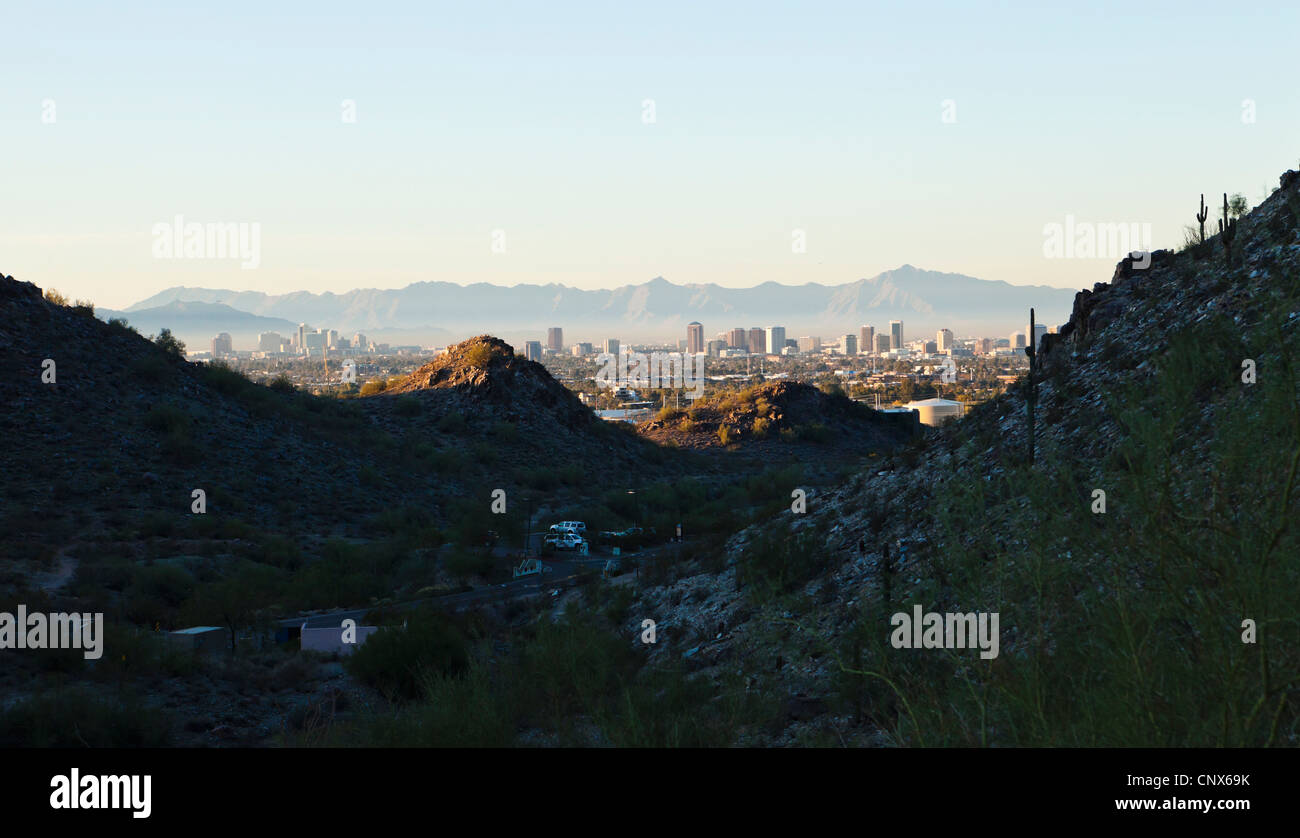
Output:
(599, 144)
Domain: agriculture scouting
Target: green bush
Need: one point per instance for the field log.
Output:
(397, 660)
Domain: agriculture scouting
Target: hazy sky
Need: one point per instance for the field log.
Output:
(530, 119)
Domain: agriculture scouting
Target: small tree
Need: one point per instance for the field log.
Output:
(170, 344)
(1237, 205)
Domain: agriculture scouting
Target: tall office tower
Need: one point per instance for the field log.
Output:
(715, 347)
(757, 341)
(882, 344)
(737, 339)
(849, 344)
(896, 334)
(221, 345)
(555, 339)
(944, 340)
(360, 342)
(533, 350)
(302, 337)
(611, 346)
(867, 340)
(775, 340)
(694, 338)
(269, 342)
(1017, 340)
(333, 340)
(1039, 330)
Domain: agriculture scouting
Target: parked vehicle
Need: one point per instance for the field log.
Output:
(575, 527)
(564, 541)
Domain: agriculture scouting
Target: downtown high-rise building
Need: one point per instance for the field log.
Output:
(757, 341)
(533, 350)
(882, 344)
(867, 340)
(1017, 340)
(555, 339)
(302, 338)
(737, 339)
(1039, 331)
(694, 338)
(775, 340)
(222, 345)
(810, 344)
(849, 344)
(943, 341)
(611, 346)
(896, 334)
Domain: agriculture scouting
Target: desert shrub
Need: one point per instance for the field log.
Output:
(281, 384)
(52, 295)
(373, 386)
(119, 325)
(451, 423)
(169, 343)
(395, 660)
(75, 717)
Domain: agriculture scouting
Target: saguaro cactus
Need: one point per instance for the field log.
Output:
(1031, 398)
(1227, 230)
(1201, 216)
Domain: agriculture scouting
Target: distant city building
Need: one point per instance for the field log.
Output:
(896, 334)
(694, 337)
(775, 340)
(611, 346)
(984, 346)
(810, 343)
(867, 340)
(931, 347)
(314, 342)
(737, 339)
(1039, 331)
(269, 342)
(944, 340)
(332, 340)
(222, 346)
(581, 350)
(555, 339)
(533, 350)
(757, 341)
(882, 344)
(302, 337)
(849, 344)
(1017, 340)
(715, 347)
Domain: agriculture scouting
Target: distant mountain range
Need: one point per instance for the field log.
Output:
(429, 312)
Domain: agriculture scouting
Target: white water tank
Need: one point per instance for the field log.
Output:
(935, 412)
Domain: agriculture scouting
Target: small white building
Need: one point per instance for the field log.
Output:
(935, 412)
(331, 639)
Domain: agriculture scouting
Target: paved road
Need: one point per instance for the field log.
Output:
(557, 573)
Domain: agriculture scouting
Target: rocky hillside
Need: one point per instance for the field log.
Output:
(776, 414)
(1145, 563)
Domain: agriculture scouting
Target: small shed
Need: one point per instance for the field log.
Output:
(201, 638)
